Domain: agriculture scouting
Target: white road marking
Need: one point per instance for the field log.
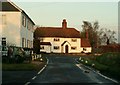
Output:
(27, 83)
(108, 78)
(34, 77)
(43, 67)
(98, 73)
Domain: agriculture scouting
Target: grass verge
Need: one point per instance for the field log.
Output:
(35, 65)
(108, 64)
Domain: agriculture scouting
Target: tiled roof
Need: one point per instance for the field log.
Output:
(56, 32)
(45, 43)
(85, 42)
(11, 7)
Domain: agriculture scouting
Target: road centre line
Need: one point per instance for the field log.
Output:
(27, 83)
(43, 67)
(34, 77)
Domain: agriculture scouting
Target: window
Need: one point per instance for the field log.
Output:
(4, 41)
(84, 49)
(28, 25)
(28, 43)
(24, 21)
(31, 44)
(73, 48)
(56, 39)
(56, 47)
(74, 40)
(25, 42)
(41, 47)
(4, 19)
(22, 42)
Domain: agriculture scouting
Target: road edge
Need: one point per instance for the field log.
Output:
(98, 72)
(39, 72)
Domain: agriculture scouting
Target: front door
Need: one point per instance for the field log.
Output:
(66, 49)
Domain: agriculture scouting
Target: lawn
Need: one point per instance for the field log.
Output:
(29, 66)
(108, 64)
(23, 66)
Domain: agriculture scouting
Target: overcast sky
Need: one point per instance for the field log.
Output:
(52, 12)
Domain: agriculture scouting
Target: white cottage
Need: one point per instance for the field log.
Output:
(17, 26)
(61, 40)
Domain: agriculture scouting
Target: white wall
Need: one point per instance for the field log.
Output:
(46, 49)
(11, 30)
(58, 43)
(14, 31)
(25, 32)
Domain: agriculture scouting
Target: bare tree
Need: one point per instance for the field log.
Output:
(96, 35)
(108, 37)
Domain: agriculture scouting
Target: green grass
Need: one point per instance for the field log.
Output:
(22, 67)
(108, 64)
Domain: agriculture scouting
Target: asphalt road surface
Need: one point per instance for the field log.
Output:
(65, 69)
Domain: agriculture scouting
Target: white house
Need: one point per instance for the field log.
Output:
(61, 40)
(16, 26)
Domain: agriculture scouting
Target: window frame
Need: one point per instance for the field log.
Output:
(73, 48)
(74, 40)
(56, 47)
(56, 39)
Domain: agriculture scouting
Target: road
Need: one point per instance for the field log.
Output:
(65, 69)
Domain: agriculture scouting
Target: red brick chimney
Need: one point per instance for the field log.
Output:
(64, 24)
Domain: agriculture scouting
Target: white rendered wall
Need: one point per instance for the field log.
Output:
(14, 31)
(46, 49)
(58, 43)
(11, 30)
(26, 33)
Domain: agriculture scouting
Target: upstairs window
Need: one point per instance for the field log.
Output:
(56, 39)
(24, 21)
(4, 20)
(74, 40)
(73, 48)
(56, 47)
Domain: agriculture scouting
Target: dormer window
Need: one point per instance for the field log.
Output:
(56, 39)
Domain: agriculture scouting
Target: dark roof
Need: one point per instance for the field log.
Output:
(85, 42)
(45, 43)
(6, 6)
(56, 32)
(10, 6)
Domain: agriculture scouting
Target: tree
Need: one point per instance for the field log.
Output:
(96, 35)
(108, 37)
(90, 31)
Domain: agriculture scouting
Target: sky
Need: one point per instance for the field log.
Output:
(52, 12)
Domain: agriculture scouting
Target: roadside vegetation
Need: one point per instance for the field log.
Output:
(107, 63)
(35, 65)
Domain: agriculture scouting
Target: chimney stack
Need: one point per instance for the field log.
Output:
(64, 24)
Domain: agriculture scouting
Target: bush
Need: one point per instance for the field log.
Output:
(109, 59)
